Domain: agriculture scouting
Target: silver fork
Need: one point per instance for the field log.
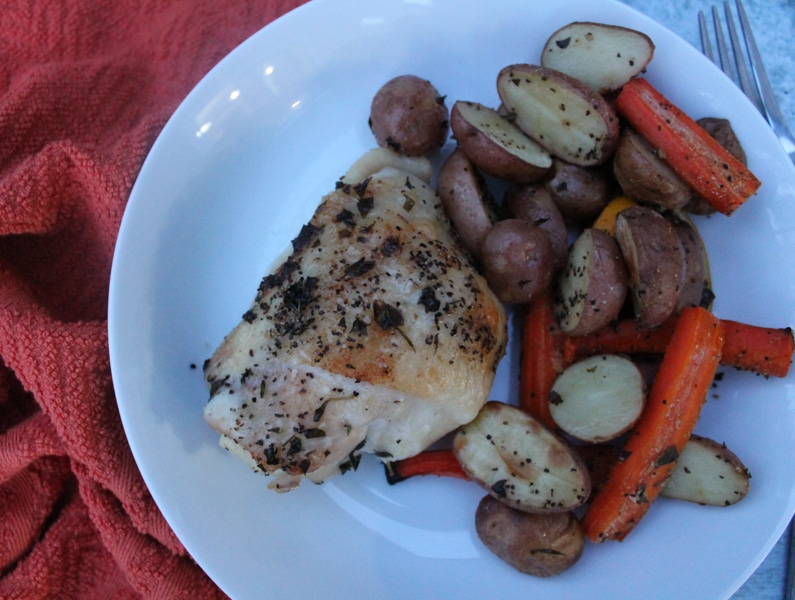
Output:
(755, 84)
(753, 81)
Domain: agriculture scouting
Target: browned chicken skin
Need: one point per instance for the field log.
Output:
(375, 335)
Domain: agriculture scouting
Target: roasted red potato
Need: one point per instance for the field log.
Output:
(409, 116)
(497, 146)
(561, 113)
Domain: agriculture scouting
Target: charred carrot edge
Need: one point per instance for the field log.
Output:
(760, 349)
(541, 358)
(694, 155)
(763, 350)
(672, 410)
(441, 463)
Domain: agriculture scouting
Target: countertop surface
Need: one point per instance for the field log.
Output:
(773, 23)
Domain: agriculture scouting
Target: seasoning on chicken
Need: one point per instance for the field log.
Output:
(375, 335)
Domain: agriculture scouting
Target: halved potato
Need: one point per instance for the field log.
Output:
(644, 176)
(467, 200)
(561, 113)
(520, 462)
(496, 145)
(655, 260)
(602, 56)
(592, 288)
(697, 285)
(709, 473)
(598, 398)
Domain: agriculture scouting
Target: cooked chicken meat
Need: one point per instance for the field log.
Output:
(375, 335)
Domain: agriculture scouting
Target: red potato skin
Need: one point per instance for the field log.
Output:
(466, 201)
(490, 157)
(655, 260)
(517, 260)
(534, 203)
(409, 116)
(580, 193)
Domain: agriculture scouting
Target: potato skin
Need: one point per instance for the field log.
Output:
(517, 260)
(409, 116)
(579, 192)
(466, 201)
(542, 545)
(534, 203)
(496, 145)
(655, 260)
(645, 177)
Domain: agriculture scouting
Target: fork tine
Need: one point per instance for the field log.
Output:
(723, 50)
(747, 85)
(767, 104)
(706, 45)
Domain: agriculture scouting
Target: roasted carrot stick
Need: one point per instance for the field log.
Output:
(760, 349)
(620, 337)
(442, 463)
(541, 359)
(763, 350)
(671, 412)
(694, 155)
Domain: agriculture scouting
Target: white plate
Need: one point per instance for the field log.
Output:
(237, 170)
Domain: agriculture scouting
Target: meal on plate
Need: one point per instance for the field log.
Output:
(381, 332)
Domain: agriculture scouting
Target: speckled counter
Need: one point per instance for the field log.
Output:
(773, 23)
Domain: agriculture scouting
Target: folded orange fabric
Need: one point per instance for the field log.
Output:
(85, 87)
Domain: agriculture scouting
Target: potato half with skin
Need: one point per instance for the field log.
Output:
(592, 288)
(517, 260)
(697, 284)
(644, 176)
(520, 462)
(598, 398)
(655, 261)
(409, 116)
(559, 112)
(497, 146)
(602, 56)
(466, 200)
(534, 203)
(709, 473)
(542, 545)
(580, 193)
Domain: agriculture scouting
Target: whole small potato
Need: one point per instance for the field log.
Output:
(517, 260)
(580, 192)
(541, 545)
(409, 116)
(535, 204)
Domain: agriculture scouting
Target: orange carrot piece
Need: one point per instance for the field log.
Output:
(620, 337)
(672, 410)
(541, 358)
(694, 155)
(441, 463)
(760, 349)
(763, 350)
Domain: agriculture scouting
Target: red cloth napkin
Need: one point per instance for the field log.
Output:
(85, 87)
